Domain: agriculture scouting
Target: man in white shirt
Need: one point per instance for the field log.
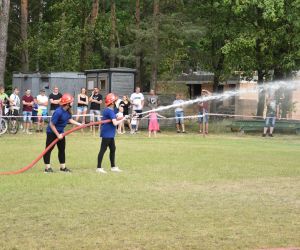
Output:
(14, 108)
(42, 101)
(137, 101)
(15, 102)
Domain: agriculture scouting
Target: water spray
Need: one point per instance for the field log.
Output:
(271, 87)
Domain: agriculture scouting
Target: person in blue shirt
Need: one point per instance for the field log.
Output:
(108, 132)
(55, 129)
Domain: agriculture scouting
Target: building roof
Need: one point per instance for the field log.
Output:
(201, 77)
(120, 69)
(68, 75)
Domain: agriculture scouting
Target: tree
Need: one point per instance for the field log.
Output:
(113, 33)
(266, 41)
(155, 44)
(4, 19)
(24, 36)
(138, 45)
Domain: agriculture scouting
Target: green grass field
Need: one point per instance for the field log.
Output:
(176, 192)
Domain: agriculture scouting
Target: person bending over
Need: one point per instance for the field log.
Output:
(55, 129)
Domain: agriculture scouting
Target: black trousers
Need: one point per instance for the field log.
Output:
(107, 142)
(61, 145)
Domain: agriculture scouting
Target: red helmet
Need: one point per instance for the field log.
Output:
(66, 98)
(110, 98)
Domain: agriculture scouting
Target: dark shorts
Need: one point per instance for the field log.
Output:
(139, 111)
(203, 118)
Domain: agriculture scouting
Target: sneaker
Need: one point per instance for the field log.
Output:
(28, 133)
(178, 131)
(48, 170)
(184, 132)
(65, 169)
(115, 169)
(271, 135)
(263, 135)
(101, 170)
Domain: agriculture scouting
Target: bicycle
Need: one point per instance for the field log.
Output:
(8, 122)
(3, 122)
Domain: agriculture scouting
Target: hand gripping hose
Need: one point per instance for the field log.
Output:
(50, 146)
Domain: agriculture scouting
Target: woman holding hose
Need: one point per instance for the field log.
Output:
(55, 129)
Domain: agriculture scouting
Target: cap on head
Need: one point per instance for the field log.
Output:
(66, 99)
(110, 99)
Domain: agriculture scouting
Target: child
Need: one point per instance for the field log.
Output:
(108, 132)
(134, 120)
(55, 129)
(120, 115)
(35, 108)
(153, 123)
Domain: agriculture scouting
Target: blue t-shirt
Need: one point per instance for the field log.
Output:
(108, 130)
(59, 119)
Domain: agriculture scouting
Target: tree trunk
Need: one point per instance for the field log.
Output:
(103, 6)
(155, 44)
(24, 36)
(4, 18)
(95, 11)
(113, 33)
(137, 48)
(214, 103)
(40, 20)
(88, 46)
(83, 49)
(261, 95)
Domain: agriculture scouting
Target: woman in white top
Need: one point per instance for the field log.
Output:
(82, 105)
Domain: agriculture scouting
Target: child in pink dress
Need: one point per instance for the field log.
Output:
(153, 123)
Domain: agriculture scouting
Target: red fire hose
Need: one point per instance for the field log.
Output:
(50, 146)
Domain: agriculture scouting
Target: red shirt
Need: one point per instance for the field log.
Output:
(27, 99)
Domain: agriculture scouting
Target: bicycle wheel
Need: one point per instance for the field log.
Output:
(3, 126)
(13, 126)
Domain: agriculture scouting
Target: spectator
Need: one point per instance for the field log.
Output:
(179, 114)
(35, 108)
(83, 101)
(137, 101)
(54, 99)
(42, 101)
(133, 122)
(15, 102)
(203, 112)
(4, 99)
(152, 100)
(120, 115)
(272, 114)
(96, 101)
(153, 125)
(27, 101)
(125, 103)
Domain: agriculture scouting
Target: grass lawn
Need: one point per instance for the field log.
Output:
(176, 192)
